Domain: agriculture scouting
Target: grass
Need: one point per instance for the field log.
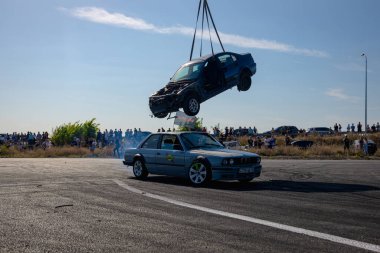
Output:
(327, 147)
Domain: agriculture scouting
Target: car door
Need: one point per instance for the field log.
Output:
(149, 150)
(230, 68)
(170, 158)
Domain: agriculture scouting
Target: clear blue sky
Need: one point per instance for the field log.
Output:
(68, 61)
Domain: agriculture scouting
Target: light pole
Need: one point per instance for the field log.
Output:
(365, 126)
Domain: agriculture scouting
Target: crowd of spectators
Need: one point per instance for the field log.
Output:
(27, 140)
(358, 128)
(119, 140)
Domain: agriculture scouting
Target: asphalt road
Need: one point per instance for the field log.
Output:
(96, 205)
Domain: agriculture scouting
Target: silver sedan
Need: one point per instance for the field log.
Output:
(194, 155)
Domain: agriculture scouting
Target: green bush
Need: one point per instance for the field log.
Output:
(64, 134)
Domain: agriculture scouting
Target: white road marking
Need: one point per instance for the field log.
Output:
(333, 238)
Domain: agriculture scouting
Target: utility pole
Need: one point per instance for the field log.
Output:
(365, 126)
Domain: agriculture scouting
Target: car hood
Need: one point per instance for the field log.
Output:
(221, 152)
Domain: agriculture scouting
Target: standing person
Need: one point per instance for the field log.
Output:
(93, 147)
(116, 148)
(287, 140)
(346, 143)
(348, 128)
(340, 128)
(365, 146)
(361, 143)
(352, 127)
(359, 127)
(259, 142)
(250, 141)
(99, 138)
(336, 128)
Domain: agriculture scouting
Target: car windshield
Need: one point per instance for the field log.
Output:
(200, 140)
(188, 72)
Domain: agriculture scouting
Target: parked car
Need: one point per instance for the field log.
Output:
(320, 130)
(302, 144)
(282, 130)
(194, 155)
(201, 79)
(372, 146)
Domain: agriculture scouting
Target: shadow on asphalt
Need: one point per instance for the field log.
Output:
(271, 185)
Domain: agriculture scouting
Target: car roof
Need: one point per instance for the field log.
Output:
(207, 57)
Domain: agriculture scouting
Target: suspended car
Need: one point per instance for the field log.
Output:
(201, 79)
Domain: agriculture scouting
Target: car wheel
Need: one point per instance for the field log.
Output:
(199, 173)
(245, 81)
(191, 105)
(245, 180)
(139, 169)
(161, 115)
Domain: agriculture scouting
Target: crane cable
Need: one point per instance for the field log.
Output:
(195, 31)
(205, 10)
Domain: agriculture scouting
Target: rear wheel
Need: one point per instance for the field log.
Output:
(191, 105)
(139, 169)
(199, 173)
(245, 81)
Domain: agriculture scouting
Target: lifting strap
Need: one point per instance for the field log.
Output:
(212, 20)
(205, 10)
(195, 31)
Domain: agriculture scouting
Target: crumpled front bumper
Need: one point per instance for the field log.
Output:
(163, 104)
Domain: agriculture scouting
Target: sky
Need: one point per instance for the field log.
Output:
(74, 60)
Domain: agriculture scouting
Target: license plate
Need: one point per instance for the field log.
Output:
(246, 170)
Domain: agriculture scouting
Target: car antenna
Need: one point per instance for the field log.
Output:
(205, 11)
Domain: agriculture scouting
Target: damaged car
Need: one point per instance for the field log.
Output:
(201, 79)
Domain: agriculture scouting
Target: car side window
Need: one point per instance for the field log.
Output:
(170, 142)
(226, 60)
(151, 142)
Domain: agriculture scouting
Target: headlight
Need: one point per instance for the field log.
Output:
(228, 161)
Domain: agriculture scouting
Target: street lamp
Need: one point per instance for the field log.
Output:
(365, 126)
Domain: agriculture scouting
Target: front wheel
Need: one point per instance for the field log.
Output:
(191, 105)
(139, 169)
(245, 81)
(199, 173)
(161, 115)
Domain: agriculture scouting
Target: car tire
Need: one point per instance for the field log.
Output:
(245, 180)
(199, 173)
(139, 169)
(245, 81)
(161, 115)
(191, 105)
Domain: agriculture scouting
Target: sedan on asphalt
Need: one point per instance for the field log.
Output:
(201, 79)
(197, 156)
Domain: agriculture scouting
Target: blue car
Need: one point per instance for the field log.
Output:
(194, 155)
(200, 79)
